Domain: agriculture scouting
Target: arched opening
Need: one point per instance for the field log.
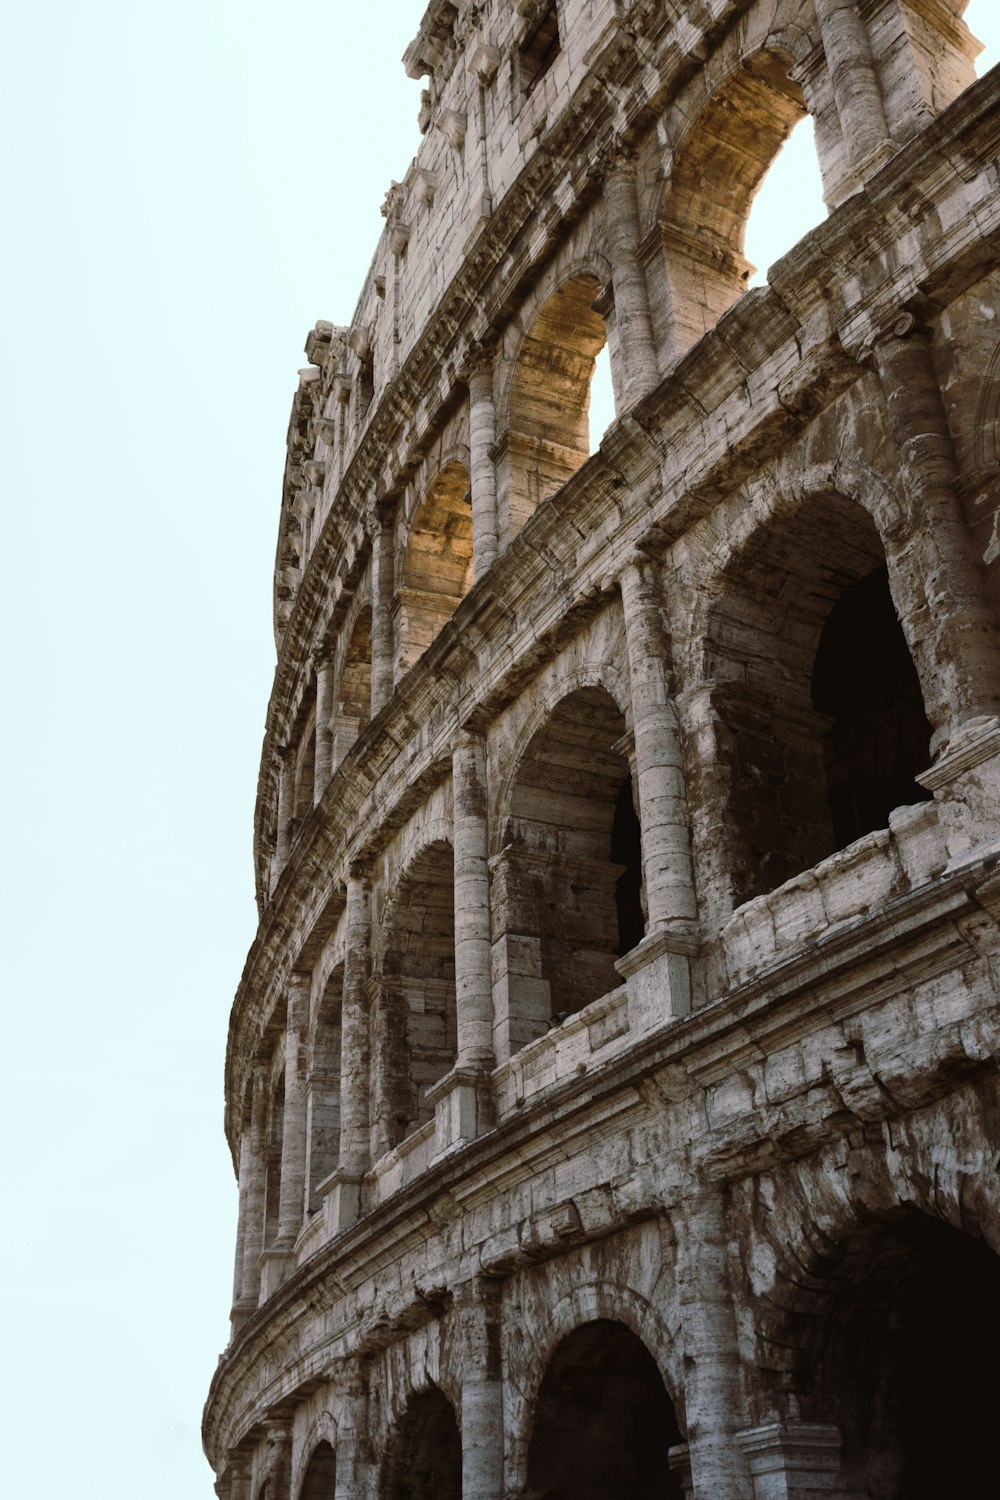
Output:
(601, 411)
(272, 1159)
(424, 1456)
(788, 203)
(320, 1479)
(548, 429)
(417, 1028)
(718, 168)
(354, 690)
(323, 1090)
(865, 681)
(437, 567)
(603, 1422)
(304, 771)
(567, 888)
(822, 720)
(902, 1357)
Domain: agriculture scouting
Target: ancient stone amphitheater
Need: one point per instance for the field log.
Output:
(612, 1081)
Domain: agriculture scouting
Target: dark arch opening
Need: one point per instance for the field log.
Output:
(424, 1458)
(568, 891)
(417, 1029)
(904, 1359)
(320, 1479)
(823, 725)
(865, 680)
(603, 1422)
(323, 1089)
(548, 427)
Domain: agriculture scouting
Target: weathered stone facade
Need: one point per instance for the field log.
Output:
(612, 1082)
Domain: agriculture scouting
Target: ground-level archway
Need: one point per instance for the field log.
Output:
(603, 1422)
(424, 1456)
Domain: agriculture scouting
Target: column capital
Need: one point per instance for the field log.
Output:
(478, 359)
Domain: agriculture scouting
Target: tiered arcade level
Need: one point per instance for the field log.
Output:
(612, 1082)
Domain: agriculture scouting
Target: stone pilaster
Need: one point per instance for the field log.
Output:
(253, 1239)
(966, 682)
(238, 1313)
(713, 1396)
(343, 1197)
(324, 714)
(293, 1138)
(473, 991)
(286, 799)
(352, 1435)
(659, 971)
(477, 1308)
(383, 588)
(237, 1479)
(636, 341)
(277, 1466)
(478, 372)
(461, 1098)
(856, 90)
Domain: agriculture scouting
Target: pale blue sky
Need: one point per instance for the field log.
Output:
(187, 189)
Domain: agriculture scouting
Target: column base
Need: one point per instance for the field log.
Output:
(660, 977)
(795, 1460)
(463, 1107)
(965, 782)
(341, 1195)
(276, 1265)
(679, 1463)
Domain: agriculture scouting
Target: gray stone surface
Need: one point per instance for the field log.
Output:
(612, 1082)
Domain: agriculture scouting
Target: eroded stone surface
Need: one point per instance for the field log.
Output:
(612, 1084)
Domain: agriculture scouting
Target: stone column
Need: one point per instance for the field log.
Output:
(253, 1238)
(856, 89)
(293, 1138)
(478, 372)
(712, 1389)
(383, 587)
(352, 1434)
(324, 714)
(966, 683)
(343, 1199)
(473, 989)
(477, 1309)
(663, 814)
(636, 341)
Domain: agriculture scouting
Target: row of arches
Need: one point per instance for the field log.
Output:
(892, 1378)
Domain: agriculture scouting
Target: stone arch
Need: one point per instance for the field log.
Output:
(592, 675)
(353, 706)
(724, 149)
(818, 736)
(415, 1037)
(881, 1326)
(587, 1305)
(437, 562)
(423, 1459)
(566, 892)
(544, 412)
(323, 1088)
(319, 1475)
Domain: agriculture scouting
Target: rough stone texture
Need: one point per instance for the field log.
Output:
(612, 1083)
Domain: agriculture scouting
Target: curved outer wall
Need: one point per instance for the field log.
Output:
(620, 1034)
